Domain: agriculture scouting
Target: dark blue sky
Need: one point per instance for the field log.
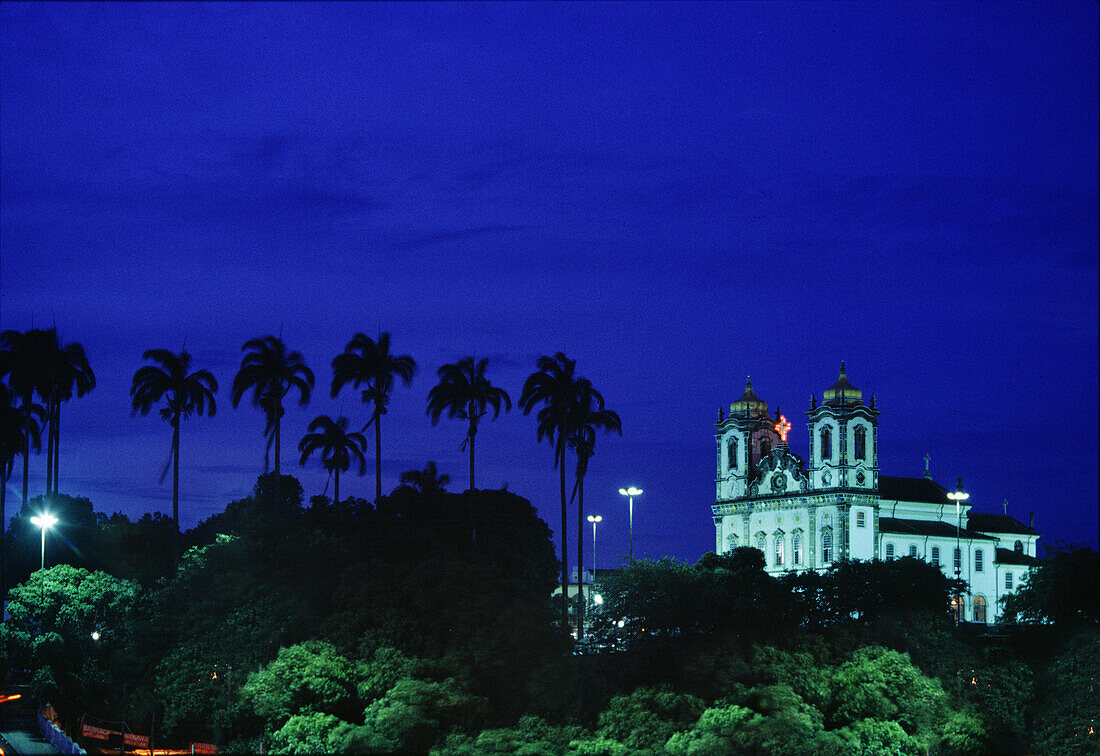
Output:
(674, 195)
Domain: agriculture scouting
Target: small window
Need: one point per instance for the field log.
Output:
(731, 454)
(979, 609)
(796, 549)
(889, 551)
(861, 519)
(827, 545)
(936, 556)
(1008, 581)
(1019, 547)
(912, 550)
(861, 443)
(826, 444)
(732, 543)
(958, 559)
(779, 551)
(979, 560)
(762, 543)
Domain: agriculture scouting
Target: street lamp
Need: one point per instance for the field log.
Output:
(631, 492)
(594, 519)
(958, 496)
(44, 521)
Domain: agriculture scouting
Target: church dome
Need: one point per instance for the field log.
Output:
(749, 403)
(842, 392)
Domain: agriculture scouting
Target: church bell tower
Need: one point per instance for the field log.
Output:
(843, 439)
(744, 438)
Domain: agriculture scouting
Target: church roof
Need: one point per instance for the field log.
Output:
(1008, 556)
(749, 402)
(998, 523)
(938, 528)
(911, 489)
(842, 392)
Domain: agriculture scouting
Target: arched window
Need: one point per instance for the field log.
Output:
(827, 545)
(826, 444)
(1008, 581)
(956, 609)
(796, 548)
(731, 453)
(979, 609)
(861, 443)
(765, 448)
(936, 556)
(762, 543)
(979, 560)
(1019, 547)
(889, 551)
(732, 543)
(958, 559)
(912, 550)
(779, 548)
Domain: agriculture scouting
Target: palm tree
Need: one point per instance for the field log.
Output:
(17, 431)
(186, 393)
(337, 447)
(271, 371)
(554, 385)
(24, 357)
(429, 481)
(463, 391)
(591, 416)
(365, 361)
(67, 371)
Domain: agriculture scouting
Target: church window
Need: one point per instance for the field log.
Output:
(762, 543)
(935, 556)
(1019, 547)
(779, 544)
(732, 543)
(860, 477)
(956, 609)
(861, 519)
(1008, 581)
(958, 559)
(827, 545)
(979, 560)
(731, 454)
(912, 550)
(826, 444)
(889, 551)
(979, 609)
(796, 549)
(765, 448)
(861, 443)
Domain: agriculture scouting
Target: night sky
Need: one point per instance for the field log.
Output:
(676, 196)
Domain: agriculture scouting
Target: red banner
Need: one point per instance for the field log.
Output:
(137, 741)
(203, 748)
(97, 733)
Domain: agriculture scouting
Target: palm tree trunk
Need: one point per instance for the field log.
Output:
(26, 443)
(49, 445)
(580, 557)
(176, 485)
(278, 428)
(336, 488)
(56, 446)
(3, 530)
(564, 566)
(377, 456)
(473, 433)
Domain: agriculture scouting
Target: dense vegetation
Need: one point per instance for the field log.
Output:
(425, 623)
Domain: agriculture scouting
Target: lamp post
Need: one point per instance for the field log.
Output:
(44, 521)
(631, 492)
(594, 519)
(958, 496)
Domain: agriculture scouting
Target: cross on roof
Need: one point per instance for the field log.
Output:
(782, 427)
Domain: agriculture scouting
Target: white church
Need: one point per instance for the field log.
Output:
(808, 515)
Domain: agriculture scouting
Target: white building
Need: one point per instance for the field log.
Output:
(809, 515)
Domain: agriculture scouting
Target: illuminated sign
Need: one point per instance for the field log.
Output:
(782, 427)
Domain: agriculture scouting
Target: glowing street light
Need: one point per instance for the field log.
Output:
(44, 521)
(631, 492)
(594, 519)
(958, 496)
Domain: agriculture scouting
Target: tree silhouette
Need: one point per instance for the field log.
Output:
(429, 481)
(270, 371)
(24, 357)
(554, 385)
(17, 430)
(66, 371)
(464, 392)
(591, 415)
(185, 393)
(337, 447)
(369, 363)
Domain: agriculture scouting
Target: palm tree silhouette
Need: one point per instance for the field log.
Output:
(337, 447)
(270, 371)
(17, 430)
(365, 361)
(554, 385)
(463, 391)
(66, 371)
(23, 360)
(591, 415)
(428, 481)
(186, 393)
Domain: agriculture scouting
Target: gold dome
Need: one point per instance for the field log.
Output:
(842, 392)
(749, 403)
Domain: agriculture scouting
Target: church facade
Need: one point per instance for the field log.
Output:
(835, 506)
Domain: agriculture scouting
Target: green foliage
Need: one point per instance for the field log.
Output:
(308, 733)
(1064, 589)
(307, 677)
(1067, 717)
(415, 713)
(530, 736)
(963, 733)
(644, 720)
